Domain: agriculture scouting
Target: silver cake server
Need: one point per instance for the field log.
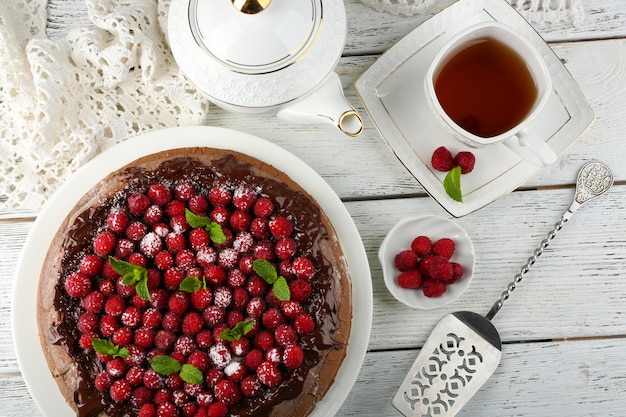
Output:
(464, 348)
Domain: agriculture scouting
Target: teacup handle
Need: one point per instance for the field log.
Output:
(532, 148)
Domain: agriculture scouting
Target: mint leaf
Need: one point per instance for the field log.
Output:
(192, 284)
(216, 233)
(165, 365)
(452, 184)
(265, 270)
(106, 347)
(132, 275)
(191, 374)
(241, 329)
(281, 289)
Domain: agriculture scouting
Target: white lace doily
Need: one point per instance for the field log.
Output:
(533, 10)
(55, 94)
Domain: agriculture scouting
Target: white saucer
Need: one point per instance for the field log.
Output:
(392, 91)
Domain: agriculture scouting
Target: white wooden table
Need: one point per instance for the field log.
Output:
(564, 329)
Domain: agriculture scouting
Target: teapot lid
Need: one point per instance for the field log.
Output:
(255, 36)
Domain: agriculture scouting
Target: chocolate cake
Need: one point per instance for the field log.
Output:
(195, 282)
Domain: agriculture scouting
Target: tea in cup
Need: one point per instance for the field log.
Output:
(486, 85)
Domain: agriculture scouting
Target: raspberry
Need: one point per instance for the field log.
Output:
(138, 204)
(103, 381)
(437, 268)
(291, 309)
(204, 339)
(179, 302)
(215, 275)
(120, 391)
(274, 355)
(444, 247)
(434, 288)
(161, 229)
(281, 227)
(201, 299)
(104, 243)
(251, 386)
(153, 215)
(175, 242)
(304, 323)
(116, 368)
(184, 190)
(264, 340)
(164, 340)
(152, 379)
(192, 323)
(240, 220)
(175, 208)
(244, 198)
(162, 396)
(240, 347)
(88, 322)
(167, 409)
(235, 371)
(442, 159)
(243, 242)
(179, 224)
(173, 277)
(77, 284)
(137, 259)
(410, 279)
(198, 238)
(260, 228)
(421, 245)
(303, 268)
(206, 256)
(285, 248)
(466, 161)
(174, 382)
(152, 318)
(286, 335)
(220, 215)
(272, 318)
(159, 298)
(257, 286)
(198, 204)
(147, 410)
(141, 397)
(293, 356)
(93, 302)
(90, 265)
(220, 196)
(269, 374)
(222, 297)
(131, 317)
(200, 360)
(163, 260)
(264, 250)
(136, 231)
(85, 341)
(123, 336)
(406, 260)
(233, 317)
(218, 409)
(457, 273)
(136, 355)
(253, 359)
(300, 290)
(144, 337)
(159, 194)
(240, 298)
(214, 316)
(263, 207)
(185, 345)
(219, 355)
(171, 322)
(118, 221)
(124, 248)
(236, 278)
(134, 376)
(115, 305)
(255, 307)
(228, 258)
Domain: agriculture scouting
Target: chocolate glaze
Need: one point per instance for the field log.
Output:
(309, 231)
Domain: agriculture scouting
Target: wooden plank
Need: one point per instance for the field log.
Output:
(566, 378)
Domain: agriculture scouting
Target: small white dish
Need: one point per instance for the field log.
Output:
(400, 237)
(392, 91)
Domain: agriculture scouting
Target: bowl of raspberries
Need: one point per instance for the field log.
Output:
(427, 261)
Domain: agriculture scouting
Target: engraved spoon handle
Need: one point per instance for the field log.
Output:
(594, 179)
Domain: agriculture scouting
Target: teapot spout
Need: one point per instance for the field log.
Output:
(326, 104)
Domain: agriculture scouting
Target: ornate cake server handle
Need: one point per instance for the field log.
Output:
(594, 179)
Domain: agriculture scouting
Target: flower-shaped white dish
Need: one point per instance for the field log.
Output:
(400, 237)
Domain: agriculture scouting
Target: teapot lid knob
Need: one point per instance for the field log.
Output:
(251, 6)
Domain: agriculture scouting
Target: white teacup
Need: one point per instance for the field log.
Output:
(500, 85)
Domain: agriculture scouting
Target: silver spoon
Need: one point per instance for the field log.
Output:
(464, 348)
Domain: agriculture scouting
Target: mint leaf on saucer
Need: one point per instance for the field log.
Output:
(452, 184)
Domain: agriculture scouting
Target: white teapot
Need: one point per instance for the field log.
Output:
(266, 57)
